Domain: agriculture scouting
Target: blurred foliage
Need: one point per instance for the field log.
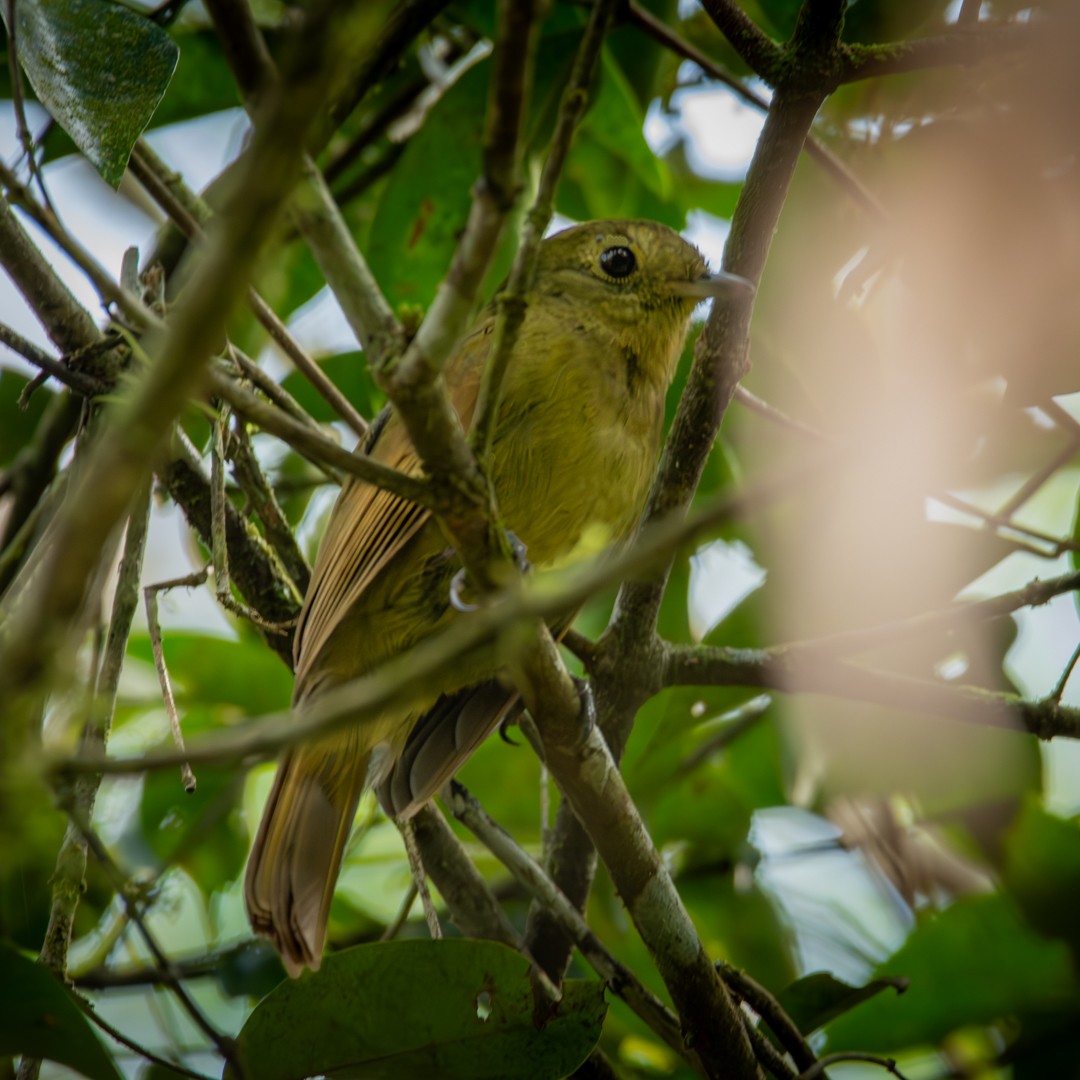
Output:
(931, 351)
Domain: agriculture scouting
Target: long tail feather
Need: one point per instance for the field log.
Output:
(298, 850)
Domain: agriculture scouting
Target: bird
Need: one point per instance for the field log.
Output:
(576, 439)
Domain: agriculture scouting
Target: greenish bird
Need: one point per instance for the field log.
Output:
(575, 445)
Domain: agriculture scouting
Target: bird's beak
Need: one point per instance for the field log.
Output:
(718, 284)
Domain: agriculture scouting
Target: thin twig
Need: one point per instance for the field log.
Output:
(273, 390)
(511, 301)
(394, 928)
(766, 1006)
(531, 875)
(314, 445)
(1056, 544)
(150, 595)
(170, 976)
(22, 129)
(778, 416)
(469, 900)
(735, 723)
(114, 1033)
(191, 213)
(262, 500)
(75, 380)
(258, 576)
(1058, 690)
(419, 876)
(219, 544)
(817, 1071)
(1037, 479)
(815, 148)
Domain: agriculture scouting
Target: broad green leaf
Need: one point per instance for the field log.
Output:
(17, 426)
(610, 171)
(815, 999)
(100, 69)
(418, 222)
(198, 831)
(39, 1018)
(616, 122)
(1042, 870)
(974, 963)
(251, 969)
(203, 83)
(451, 1008)
(213, 671)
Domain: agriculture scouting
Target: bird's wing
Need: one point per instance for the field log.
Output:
(446, 736)
(369, 526)
(442, 740)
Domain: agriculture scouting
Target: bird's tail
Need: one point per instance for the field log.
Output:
(297, 854)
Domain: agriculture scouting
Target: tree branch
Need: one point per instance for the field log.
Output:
(133, 438)
(253, 570)
(760, 53)
(511, 301)
(69, 879)
(314, 445)
(796, 669)
(959, 47)
(837, 169)
(529, 874)
(190, 213)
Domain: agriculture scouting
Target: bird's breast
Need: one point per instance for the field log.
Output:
(576, 444)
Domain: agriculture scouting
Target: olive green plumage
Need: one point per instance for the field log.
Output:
(575, 445)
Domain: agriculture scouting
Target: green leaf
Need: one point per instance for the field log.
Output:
(975, 963)
(100, 69)
(17, 426)
(451, 1008)
(39, 1018)
(814, 1000)
(1042, 871)
(203, 84)
(201, 831)
(417, 223)
(213, 671)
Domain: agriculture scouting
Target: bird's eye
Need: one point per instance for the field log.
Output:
(618, 262)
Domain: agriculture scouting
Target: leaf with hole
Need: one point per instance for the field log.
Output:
(453, 1009)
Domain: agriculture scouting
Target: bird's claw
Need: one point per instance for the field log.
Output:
(457, 601)
(458, 582)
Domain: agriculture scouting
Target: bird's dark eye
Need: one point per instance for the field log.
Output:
(618, 262)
